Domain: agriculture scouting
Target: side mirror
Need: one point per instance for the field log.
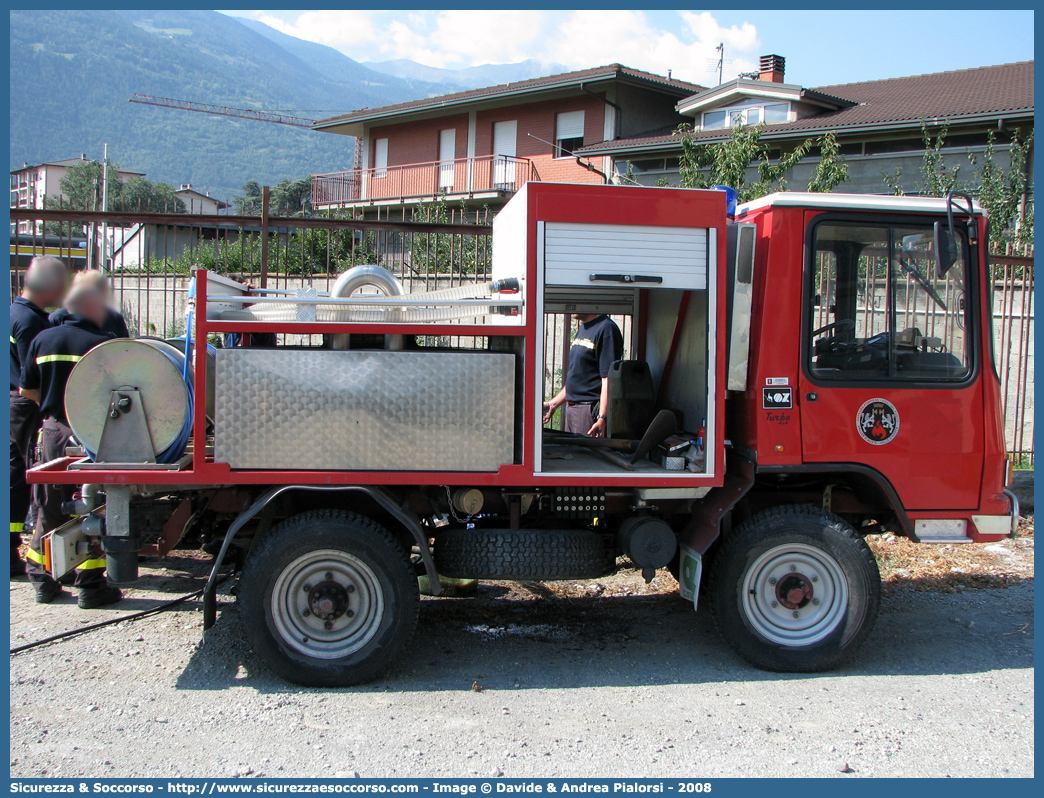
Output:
(945, 250)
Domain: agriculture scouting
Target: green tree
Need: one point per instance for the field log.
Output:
(444, 253)
(832, 169)
(82, 189)
(249, 202)
(726, 163)
(935, 179)
(81, 185)
(289, 197)
(145, 196)
(1003, 192)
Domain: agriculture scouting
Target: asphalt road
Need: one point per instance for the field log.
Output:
(610, 684)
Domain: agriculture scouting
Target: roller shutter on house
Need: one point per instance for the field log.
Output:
(569, 125)
(380, 156)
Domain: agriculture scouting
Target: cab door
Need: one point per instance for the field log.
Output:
(889, 375)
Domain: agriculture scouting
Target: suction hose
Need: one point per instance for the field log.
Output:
(357, 277)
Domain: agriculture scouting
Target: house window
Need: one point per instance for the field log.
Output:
(777, 113)
(380, 158)
(569, 133)
(747, 114)
(713, 120)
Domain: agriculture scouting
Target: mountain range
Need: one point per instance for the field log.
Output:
(72, 72)
(469, 77)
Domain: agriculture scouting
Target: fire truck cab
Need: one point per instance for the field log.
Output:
(799, 372)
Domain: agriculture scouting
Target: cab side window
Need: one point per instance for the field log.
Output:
(880, 310)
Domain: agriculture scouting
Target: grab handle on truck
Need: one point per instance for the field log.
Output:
(627, 278)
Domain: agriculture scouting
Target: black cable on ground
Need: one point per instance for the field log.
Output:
(134, 616)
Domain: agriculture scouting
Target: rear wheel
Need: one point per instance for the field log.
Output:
(329, 599)
(795, 589)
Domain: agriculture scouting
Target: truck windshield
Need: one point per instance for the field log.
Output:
(879, 310)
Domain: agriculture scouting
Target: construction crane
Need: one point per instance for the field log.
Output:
(223, 110)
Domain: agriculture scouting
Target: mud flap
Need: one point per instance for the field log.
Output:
(690, 570)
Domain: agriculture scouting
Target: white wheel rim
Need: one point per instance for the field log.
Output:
(327, 604)
(794, 594)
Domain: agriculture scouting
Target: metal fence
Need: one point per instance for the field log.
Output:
(150, 257)
(1013, 340)
(459, 177)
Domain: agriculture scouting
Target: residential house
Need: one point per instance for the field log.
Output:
(878, 124)
(33, 184)
(481, 146)
(199, 202)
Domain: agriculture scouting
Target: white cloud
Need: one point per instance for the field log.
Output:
(706, 29)
(488, 37)
(577, 39)
(592, 38)
(335, 28)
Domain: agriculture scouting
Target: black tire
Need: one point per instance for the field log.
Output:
(370, 603)
(758, 582)
(523, 555)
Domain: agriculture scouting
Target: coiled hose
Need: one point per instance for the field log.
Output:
(177, 447)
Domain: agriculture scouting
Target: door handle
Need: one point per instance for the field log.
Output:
(627, 278)
(811, 396)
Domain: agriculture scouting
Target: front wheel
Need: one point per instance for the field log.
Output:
(795, 589)
(328, 599)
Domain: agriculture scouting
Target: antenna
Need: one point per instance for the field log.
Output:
(721, 62)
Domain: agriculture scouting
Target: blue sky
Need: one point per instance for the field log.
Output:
(821, 47)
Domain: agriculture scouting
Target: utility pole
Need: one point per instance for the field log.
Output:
(105, 207)
(721, 59)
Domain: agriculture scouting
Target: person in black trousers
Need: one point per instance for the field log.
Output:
(44, 286)
(51, 359)
(598, 343)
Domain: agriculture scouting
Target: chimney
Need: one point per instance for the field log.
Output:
(772, 68)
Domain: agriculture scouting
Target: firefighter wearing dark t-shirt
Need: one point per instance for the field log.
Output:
(114, 322)
(44, 286)
(50, 361)
(598, 343)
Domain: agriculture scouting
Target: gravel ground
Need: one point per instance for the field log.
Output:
(603, 678)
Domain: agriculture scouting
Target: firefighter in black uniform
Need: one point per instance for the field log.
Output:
(598, 343)
(50, 361)
(44, 287)
(114, 321)
(19, 494)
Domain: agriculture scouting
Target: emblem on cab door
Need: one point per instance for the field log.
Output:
(877, 421)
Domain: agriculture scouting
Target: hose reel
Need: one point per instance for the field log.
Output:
(130, 401)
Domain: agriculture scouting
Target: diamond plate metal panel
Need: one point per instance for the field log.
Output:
(374, 411)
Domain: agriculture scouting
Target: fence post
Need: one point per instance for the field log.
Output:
(265, 195)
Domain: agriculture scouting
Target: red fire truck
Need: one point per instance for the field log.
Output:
(800, 372)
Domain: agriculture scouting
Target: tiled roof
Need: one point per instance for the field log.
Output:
(679, 88)
(981, 92)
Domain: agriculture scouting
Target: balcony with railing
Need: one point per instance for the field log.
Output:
(484, 177)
